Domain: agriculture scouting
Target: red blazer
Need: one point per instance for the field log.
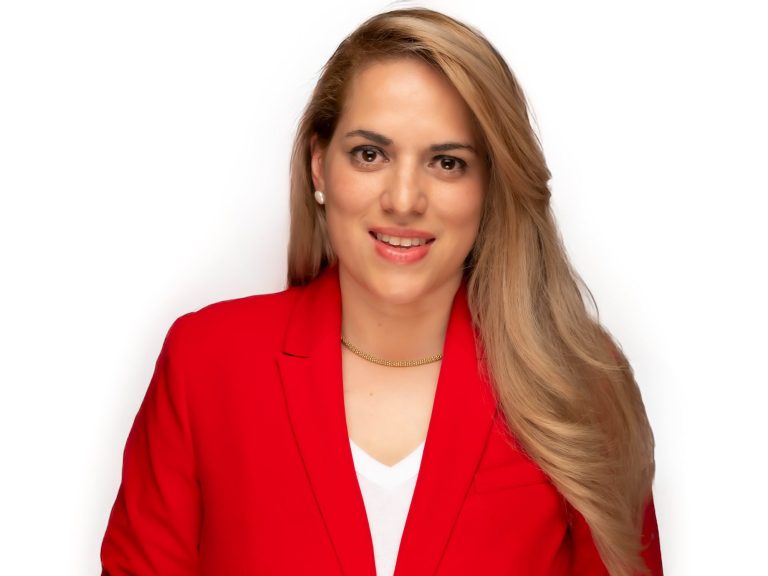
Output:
(238, 462)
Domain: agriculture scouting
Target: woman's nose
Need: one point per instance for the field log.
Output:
(404, 191)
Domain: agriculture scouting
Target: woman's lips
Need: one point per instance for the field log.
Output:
(400, 254)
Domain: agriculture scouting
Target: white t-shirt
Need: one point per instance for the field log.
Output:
(387, 493)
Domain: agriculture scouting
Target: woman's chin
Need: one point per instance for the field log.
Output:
(401, 291)
(390, 288)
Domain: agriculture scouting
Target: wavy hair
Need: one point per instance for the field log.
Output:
(567, 391)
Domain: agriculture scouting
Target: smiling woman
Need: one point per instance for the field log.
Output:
(429, 395)
(401, 164)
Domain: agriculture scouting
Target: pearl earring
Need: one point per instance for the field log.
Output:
(319, 197)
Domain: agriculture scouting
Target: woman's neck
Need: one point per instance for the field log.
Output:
(395, 330)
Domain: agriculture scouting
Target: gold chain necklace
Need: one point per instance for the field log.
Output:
(390, 363)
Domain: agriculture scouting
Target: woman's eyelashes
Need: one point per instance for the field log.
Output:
(450, 163)
(370, 156)
(367, 156)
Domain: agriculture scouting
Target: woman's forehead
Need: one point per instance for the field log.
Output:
(407, 96)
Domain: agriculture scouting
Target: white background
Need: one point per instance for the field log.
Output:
(143, 173)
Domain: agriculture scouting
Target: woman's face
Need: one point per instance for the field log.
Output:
(404, 162)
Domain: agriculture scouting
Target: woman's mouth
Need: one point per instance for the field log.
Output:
(401, 242)
(399, 249)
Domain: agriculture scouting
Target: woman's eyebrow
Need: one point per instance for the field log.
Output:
(452, 146)
(384, 141)
(372, 136)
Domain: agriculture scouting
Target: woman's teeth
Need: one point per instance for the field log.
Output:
(402, 242)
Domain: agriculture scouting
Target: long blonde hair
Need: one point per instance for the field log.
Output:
(567, 391)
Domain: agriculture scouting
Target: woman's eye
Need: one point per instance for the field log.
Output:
(366, 154)
(451, 164)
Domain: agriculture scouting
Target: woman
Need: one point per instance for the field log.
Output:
(430, 392)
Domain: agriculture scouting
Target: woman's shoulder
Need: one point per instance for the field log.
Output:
(247, 308)
(250, 325)
(247, 321)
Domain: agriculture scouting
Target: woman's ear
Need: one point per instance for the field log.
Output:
(318, 156)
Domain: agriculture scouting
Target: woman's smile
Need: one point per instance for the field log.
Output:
(401, 250)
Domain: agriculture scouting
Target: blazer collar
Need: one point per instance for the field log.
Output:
(462, 414)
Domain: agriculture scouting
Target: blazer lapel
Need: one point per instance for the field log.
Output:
(462, 414)
(310, 367)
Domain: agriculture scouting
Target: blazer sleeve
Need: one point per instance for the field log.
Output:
(587, 560)
(154, 525)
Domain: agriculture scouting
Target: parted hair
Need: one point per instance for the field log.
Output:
(566, 389)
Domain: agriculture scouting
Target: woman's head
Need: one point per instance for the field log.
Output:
(403, 167)
(475, 83)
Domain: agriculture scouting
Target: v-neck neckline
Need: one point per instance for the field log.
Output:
(387, 476)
